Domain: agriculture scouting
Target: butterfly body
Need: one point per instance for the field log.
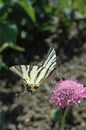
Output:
(34, 76)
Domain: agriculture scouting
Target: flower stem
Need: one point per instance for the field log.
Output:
(63, 120)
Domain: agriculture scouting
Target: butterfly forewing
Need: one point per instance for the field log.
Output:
(50, 61)
(17, 70)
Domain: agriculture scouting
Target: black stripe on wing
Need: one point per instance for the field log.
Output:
(17, 70)
(50, 61)
(41, 75)
(39, 72)
(29, 70)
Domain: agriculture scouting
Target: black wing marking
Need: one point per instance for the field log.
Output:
(50, 61)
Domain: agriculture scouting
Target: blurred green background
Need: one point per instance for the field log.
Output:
(25, 22)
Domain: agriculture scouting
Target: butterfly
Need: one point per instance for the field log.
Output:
(34, 76)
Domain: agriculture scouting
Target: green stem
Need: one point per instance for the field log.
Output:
(63, 120)
(3, 47)
(10, 45)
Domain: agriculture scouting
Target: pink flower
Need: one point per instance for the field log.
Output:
(67, 93)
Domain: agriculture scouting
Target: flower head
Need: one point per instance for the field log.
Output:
(67, 93)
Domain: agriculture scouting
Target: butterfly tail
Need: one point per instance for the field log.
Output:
(50, 61)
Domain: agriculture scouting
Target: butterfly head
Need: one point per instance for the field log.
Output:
(30, 88)
(33, 88)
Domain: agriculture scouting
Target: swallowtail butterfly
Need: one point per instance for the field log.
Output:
(34, 76)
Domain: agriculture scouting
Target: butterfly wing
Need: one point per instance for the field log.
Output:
(32, 75)
(50, 61)
(20, 70)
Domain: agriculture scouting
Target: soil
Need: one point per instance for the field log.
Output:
(20, 110)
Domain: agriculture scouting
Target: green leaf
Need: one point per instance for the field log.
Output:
(48, 9)
(1, 3)
(8, 32)
(56, 115)
(2, 64)
(27, 6)
(46, 27)
(80, 5)
(8, 36)
(3, 13)
(63, 3)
